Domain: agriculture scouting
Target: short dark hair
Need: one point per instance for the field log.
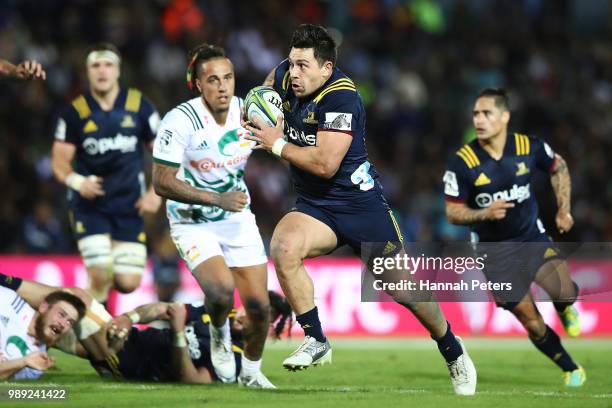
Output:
(60, 295)
(199, 55)
(281, 313)
(317, 38)
(499, 94)
(104, 46)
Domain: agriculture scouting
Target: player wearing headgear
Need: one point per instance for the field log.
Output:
(104, 131)
(26, 333)
(488, 186)
(199, 160)
(340, 200)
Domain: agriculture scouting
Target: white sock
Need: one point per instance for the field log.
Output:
(249, 367)
(223, 332)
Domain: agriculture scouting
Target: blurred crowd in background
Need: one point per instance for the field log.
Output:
(418, 65)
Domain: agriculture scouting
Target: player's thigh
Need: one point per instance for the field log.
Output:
(92, 231)
(199, 247)
(299, 235)
(554, 277)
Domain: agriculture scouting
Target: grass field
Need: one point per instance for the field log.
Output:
(365, 373)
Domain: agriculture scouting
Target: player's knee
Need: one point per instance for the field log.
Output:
(129, 258)
(219, 296)
(96, 252)
(257, 311)
(285, 254)
(126, 283)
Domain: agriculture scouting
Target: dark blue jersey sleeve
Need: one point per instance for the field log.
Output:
(340, 110)
(456, 181)
(150, 119)
(67, 126)
(543, 154)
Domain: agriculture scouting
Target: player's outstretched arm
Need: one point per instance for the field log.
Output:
(26, 70)
(184, 369)
(167, 185)
(562, 186)
(461, 214)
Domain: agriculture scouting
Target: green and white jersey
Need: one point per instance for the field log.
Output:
(210, 157)
(15, 342)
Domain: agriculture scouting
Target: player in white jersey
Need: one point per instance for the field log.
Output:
(26, 333)
(199, 160)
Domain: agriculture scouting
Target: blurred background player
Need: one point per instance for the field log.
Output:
(500, 163)
(199, 162)
(26, 333)
(165, 266)
(26, 70)
(339, 199)
(104, 131)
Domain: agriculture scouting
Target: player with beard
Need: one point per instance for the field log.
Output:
(26, 333)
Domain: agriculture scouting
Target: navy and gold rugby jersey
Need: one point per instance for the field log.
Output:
(110, 145)
(475, 178)
(147, 354)
(336, 106)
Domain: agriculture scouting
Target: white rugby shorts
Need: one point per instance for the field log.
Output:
(237, 240)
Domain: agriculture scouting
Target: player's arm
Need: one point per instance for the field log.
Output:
(37, 360)
(184, 369)
(269, 81)
(460, 214)
(26, 70)
(456, 191)
(62, 155)
(322, 160)
(167, 185)
(562, 186)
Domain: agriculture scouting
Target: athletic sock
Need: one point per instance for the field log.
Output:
(550, 345)
(10, 282)
(311, 324)
(449, 346)
(223, 331)
(250, 367)
(560, 306)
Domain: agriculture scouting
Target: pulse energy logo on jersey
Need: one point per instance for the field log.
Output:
(516, 193)
(122, 143)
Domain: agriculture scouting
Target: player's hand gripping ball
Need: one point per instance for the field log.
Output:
(264, 103)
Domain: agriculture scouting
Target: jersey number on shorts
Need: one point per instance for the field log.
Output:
(362, 177)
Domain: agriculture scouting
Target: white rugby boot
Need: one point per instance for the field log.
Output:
(463, 373)
(310, 353)
(221, 355)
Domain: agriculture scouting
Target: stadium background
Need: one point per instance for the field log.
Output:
(418, 65)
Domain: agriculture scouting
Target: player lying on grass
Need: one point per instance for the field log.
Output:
(27, 331)
(181, 353)
(119, 350)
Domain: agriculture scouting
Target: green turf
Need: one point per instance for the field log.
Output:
(365, 373)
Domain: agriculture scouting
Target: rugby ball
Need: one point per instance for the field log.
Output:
(264, 103)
